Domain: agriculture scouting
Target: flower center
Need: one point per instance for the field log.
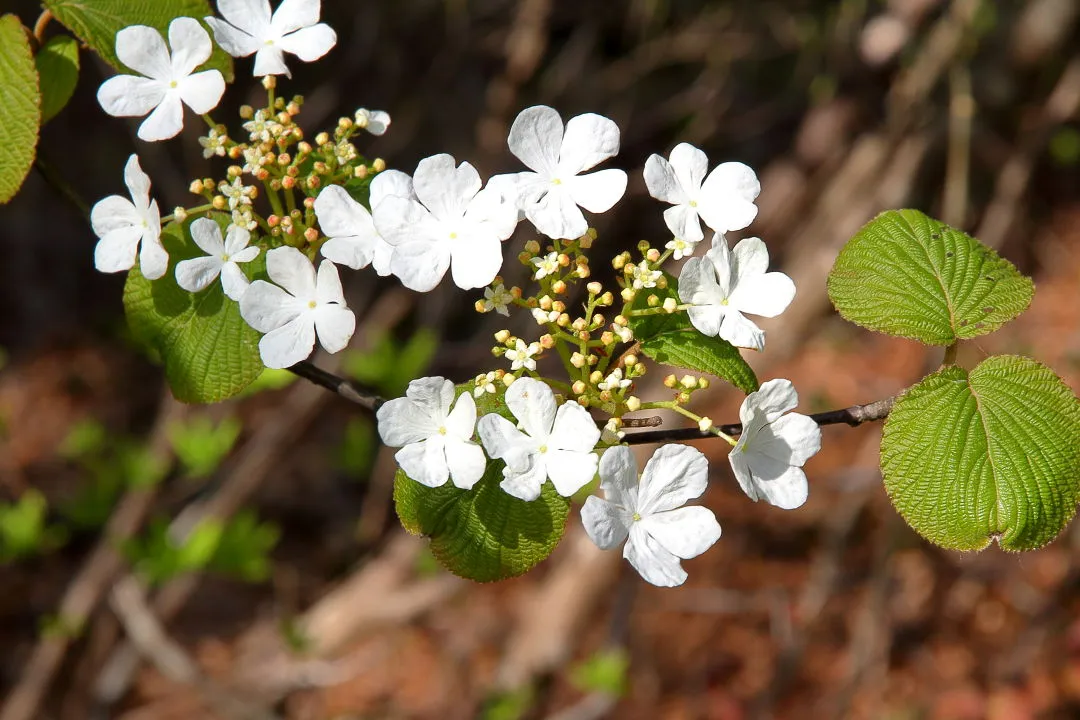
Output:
(543, 449)
(556, 181)
(269, 42)
(453, 236)
(442, 429)
(636, 517)
(225, 257)
(172, 84)
(312, 304)
(693, 203)
(724, 302)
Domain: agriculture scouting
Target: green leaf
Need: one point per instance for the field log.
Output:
(909, 275)
(201, 445)
(671, 339)
(990, 454)
(20, 106)
(58, 70)
(604, 672)
(209, 352)
(24, 529)
(96, 23)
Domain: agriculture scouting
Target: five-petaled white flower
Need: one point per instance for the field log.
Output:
(169, 83)
(546, 265)
(521, 355)
(725, 283)
(374, 121)
(353, 239)
(293, 28)
(550, 196)
(649, 515)
(497, 298)
(221, 258)
(724, 199)
(125, 226)
(557, 444)
(449, 223)
(434, 434)
(681, 248)
(643, 276)
(773, 447)
(614, 381)
(292, 317)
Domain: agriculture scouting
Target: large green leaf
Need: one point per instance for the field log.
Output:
(58, 70)
(669, 338)
(483, 534)
(990, 454)
(20, 106)
(909, 275)
(96, 23)
(209, 352)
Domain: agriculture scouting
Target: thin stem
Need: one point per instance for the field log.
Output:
(52, 176)
(345, 388)
(39, 27)
(950, 354)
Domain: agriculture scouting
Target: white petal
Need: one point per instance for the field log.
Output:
(402, 421)
(292, 15)
(655, 564)
(384, 258)
(153, 259)
(525, 485)
(207, 235)
(727, 197)
(494, 212)
(662, 182)
(310, 43)
(202, 91)
(682, 221)
(589, 140)
(270, 61)
(606, 524)
(114, 213)
(191, 46)
(166, 121)
(767, 295)
(466, 462)
(251, 16)
(233, 281)
(499, 436)
(267, 307)
(390, 183)
(328, 285)
(335, 325)
(719, 256)
(236, 244)
(690, 165)
(130, 96)
(401, 220)
(574, 429)
(535, 138)
(698, 286)
(569, 470)
(117, 249)
(196, 274)
(557, 216)
(290, 268)
(234, 41)
(533, 404)
(142, 49)
(738, 330)
(443, 188)
(685, 532)
(434, 393)
(674, 475)
(289, 344)
(425, 461)
(708, 319)
(420, 265)
(599, 191)
(137, 182)
(475, 260)
(618, 476)
(801, 437)
(766, 478)
(774, 398)
(461, 421)
(378, 122)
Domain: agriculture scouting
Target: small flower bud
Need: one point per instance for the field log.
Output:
(304, 148)
(360, 171)
(235, 152)
(558, 287)
(688, 381)
(618, 262)
(563, 320)
(633, 403)
(558, 306)
(379, 165)
(545, 302)
(502, 336)
(594, 288)
(682, 398)
(652, 255)
(703, 383)
(596, 377)
(628, 294)
(196, 187)
(246, 112)
(605, 396)
(293, 108)
(479, 306)
(607, 337)
(508, 380)
(643, 246)
(288, 182)
(578, 324)
(179, 214)
(598, 320)
(592, 359)
(630, 360)
(273, 220)
(578, 361)
(670, 381)
(670, 305)
(578, 388)
(219, 202)
(269, 81)
(607, 299)
(322, 139)
(586, 240)
(284, 159)
(564, 260)
(547, 341)
(311, 234)
(583, 401)
(309, 203)
(532, 247)
(345, 123)
(705, 424)
(583, 271)
(584, 336)
(661, 282)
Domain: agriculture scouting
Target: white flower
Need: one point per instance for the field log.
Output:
(236, 192)
(292, 317)
(625, 333)
(353, 239)
(485, 383)
(293, 28)
(434, 434)
(644, 276)
(221, 258)
(374, 121)
(726, 283)
(556, 444)
(263, 127)
(497, 298)
(551, 195)
(214, 143)
(450, 222)
(681, 248)
(521, 356)
(773, 447)
(725, 200)
(169, 83)
(126, 225)
(547, 265)
(648, 515)
(543, 317)
(614, 381)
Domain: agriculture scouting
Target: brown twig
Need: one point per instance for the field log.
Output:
(345, 388)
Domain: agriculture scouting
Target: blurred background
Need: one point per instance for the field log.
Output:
(297, 595)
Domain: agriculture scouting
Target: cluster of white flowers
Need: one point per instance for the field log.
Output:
(443, 218)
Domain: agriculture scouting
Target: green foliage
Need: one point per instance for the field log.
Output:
(24, 528)
(20, 106)
(209, 352)
(58, 71)
(909, 275)
(269, 379)
(389, 366)
(604, 672)
(96, 23)
(512, 705)
(200, 446)
(990, 454)
(358, 447)
(239, 548)
(671, 339)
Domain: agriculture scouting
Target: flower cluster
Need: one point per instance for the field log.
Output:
(286, 199)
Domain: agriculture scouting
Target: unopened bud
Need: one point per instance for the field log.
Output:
(502, 336)
(596, 377)
(592, 359)
(578, 388)
(688, 381)
(563, 320)
(705, 424)
(578, 324)
(532, 247)
(219, 202)
(628, 294)
(379, 165)
(607, 337)
(322, 139)
(558, 287)
(598, 320)
(179, 214)
(633, 403)
(703, 383)
(479, 306)
(594, 288)
(196, 187)
(618, 262)
(630, 360)
(682, 398)
(288, 182)
(643, 246)
(547, 341)
(606, 299)
(246, 112)
(360, 171)
(545, 302)
(558, 306)
(583, 271)
(652, 255)
(508, 380)
(670, 305)
(670, 381)
(311, 234)
(578, 361)
(653, 300)
(269, 82)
